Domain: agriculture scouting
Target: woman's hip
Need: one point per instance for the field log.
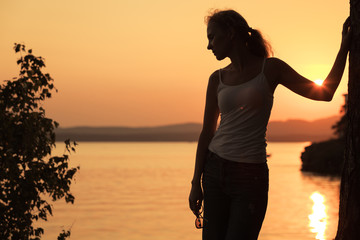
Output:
(235, 178)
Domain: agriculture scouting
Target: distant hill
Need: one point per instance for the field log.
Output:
(178, 132)
(290, 130)
(301, 130)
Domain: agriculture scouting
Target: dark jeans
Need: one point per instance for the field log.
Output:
(235, 199)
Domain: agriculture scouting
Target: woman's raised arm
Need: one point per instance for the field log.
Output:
(288, 77)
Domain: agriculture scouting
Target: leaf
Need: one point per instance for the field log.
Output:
(19, 61)
(63, 235)
(39, 231)
(17, 47)
(70, 198)
(48, 207)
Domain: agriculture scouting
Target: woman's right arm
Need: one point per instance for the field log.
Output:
(211, 115)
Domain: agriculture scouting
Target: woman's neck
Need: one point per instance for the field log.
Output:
(242, 58)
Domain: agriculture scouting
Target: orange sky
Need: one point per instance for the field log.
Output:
(145, 63)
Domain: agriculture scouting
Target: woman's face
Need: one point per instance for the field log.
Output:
(219, 41)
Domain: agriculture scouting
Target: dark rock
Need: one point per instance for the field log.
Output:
(325, 158)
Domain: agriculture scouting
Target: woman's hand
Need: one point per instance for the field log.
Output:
(195, 198)
(346, 35)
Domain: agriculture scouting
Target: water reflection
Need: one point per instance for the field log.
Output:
(318, 217)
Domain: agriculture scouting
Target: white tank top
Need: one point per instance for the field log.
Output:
(244, 110)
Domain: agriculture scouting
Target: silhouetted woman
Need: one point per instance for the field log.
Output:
(231, 159)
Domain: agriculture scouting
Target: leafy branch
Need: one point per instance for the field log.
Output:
(28, 172)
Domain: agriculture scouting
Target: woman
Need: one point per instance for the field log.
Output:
(231, 160)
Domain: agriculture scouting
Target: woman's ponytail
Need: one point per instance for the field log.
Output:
(257, 44)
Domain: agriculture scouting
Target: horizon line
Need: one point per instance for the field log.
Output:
(184, 123)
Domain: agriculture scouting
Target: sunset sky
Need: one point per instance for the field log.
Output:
(145, 63)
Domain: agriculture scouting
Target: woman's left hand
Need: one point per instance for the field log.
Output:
(346, 35)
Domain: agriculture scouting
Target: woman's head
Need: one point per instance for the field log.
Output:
(233, 24)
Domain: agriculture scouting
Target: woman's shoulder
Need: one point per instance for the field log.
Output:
(215, 77)
(274, 61)
(217, 74)
(274, 66)
(272, 70)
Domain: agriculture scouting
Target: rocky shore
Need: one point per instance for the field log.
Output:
(324, 158)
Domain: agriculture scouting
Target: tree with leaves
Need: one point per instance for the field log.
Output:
(341, 125)
(28, 172)
(349, 212)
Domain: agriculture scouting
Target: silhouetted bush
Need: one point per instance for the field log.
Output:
(28, 172)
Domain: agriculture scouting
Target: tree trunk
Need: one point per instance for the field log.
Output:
(349, 211)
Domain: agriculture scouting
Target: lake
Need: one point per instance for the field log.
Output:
(133, 191)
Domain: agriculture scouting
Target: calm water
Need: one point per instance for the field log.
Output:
(133, 191)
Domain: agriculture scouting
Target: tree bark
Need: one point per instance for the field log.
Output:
(349, 211)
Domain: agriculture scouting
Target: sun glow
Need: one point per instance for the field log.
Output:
(318, 218)
(319, 82)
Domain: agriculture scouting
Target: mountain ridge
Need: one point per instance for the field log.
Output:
(288, 130)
